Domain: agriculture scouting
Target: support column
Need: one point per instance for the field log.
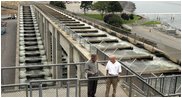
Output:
(70, 60)
(58, 48)
(58, 55)
(48, 47)
(54, 52)
(45, 32)
(41, 28)
(54, 46)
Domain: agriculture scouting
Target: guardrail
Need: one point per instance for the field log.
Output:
(168, 85)
(134, 85)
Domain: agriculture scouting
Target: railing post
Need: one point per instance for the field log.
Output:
(163, 84)
(76, 88)
(130, 87)
(170, 85)
(175, 84)
(40, 89)
(2, 79)
(57, 90)
(30, 89)
(26, 90)
(68, 88)
(147, 91)
(79, 89)
(155, 83)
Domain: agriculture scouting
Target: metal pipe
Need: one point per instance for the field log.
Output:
(169, 85)
(163, 84)
(50, 65)
(57, 91)
(30, 89)
(26, 90)
(2, 79)
(40, 89)
(130, 87)
(68, 89)
(79, 89)
(175, 84)
(155, 83)
(163, 77)
(76, 88)
(147, 91)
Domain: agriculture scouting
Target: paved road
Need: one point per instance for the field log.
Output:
(167, 43)
(8, 51)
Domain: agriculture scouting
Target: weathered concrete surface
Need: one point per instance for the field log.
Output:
(8, 51)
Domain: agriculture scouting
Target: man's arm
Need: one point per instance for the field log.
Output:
(107, 72)
(87, 69)
(89, 72)
(120, 69)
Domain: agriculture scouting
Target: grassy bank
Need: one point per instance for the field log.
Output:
(95, 16)
(148, 23)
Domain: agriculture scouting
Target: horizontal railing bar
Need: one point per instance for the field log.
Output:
(163, 77)
(67, 79)
(54, 80)
(48, 65)
(10, 85)
(172, 95)
(104, 77)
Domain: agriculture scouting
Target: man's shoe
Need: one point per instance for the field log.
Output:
(113, 95)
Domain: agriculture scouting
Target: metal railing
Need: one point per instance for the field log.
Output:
(57, 87)
(168, 85)
(79, 88)
(134, 85)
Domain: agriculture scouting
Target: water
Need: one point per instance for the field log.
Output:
(163, 9)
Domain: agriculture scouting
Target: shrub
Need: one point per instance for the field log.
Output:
(112, 19)
(131, 16)
(106, 18)
(125, 16)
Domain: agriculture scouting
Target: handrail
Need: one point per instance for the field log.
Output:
(76, 86)
(10, 85)
(48, 65)
(54, 80)
(162, 77)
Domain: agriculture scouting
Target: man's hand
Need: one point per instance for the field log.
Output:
(92, 73)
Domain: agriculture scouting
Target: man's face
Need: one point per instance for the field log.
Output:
(113, 59)
(94, 58)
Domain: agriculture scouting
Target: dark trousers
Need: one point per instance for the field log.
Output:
(92, 87)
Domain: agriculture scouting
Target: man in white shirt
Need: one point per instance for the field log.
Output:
(113, 68)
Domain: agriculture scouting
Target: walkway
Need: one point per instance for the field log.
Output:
(8, 50)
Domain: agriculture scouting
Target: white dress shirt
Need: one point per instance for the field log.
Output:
(113, 69)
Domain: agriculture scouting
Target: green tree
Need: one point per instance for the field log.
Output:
(58, 4)
(86, 5)
(114, 6)
(101, 6)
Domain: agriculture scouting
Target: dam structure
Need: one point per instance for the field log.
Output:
(54, 45)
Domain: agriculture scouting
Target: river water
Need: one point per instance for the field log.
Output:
(165, 10)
